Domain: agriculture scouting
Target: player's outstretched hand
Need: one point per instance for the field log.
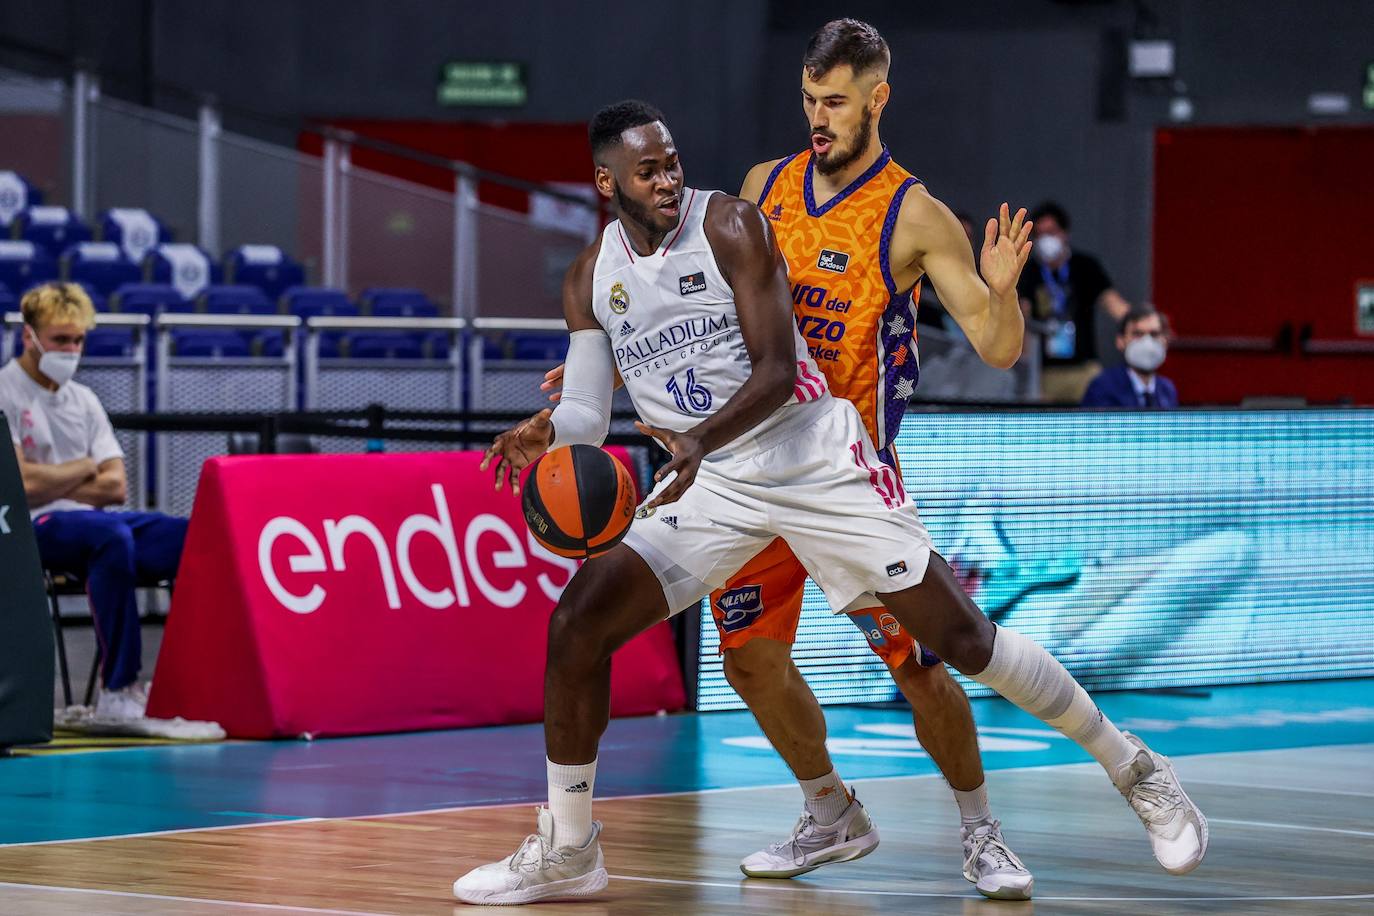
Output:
(687, 454)
(515, 448)
(1006, 246)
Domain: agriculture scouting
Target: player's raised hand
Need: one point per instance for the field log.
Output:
(687, 454)
(515, 448)
(1006, 246)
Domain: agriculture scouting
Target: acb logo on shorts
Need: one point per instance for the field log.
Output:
(739, 607)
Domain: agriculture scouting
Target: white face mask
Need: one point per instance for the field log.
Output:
(1049, 248)
(60, 367)
(1145, 354)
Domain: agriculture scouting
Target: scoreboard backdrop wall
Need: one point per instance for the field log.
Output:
(1143, 549)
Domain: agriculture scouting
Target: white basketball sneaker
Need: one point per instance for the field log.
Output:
(812, 845)
(1177, 829)
(538, 871)
(992, 867)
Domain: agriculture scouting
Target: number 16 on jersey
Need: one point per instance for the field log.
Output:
(692, 397)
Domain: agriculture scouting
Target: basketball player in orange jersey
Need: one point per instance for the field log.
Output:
(859, 233)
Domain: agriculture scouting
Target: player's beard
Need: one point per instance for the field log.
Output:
(837, 160)
(638, 213)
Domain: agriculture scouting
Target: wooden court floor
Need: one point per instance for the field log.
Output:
(1292, 832)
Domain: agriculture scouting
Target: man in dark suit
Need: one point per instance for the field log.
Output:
(1143, 340)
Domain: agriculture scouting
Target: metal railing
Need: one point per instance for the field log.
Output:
(351, 227)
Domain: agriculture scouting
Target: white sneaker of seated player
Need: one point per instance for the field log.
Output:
(125, 704)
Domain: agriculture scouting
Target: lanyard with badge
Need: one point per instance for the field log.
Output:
(1062, 341)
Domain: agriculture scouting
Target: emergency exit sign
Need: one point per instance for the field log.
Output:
(1369, 86)
(492, 83)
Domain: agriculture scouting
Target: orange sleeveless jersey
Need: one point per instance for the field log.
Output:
(860, 328)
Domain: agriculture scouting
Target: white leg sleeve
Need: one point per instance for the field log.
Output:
(583, 414)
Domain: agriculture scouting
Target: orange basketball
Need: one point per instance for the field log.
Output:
(579, 501)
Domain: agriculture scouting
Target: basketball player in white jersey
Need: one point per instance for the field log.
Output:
(686, 295)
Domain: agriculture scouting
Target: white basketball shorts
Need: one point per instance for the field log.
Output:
(818, 485)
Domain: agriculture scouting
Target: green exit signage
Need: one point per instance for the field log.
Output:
(1369, 87)
(495, 83)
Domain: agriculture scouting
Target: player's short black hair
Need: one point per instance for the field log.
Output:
(845, 41)
(613, 120)
(1053, 211)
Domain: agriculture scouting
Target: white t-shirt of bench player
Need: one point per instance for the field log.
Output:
(54, 427)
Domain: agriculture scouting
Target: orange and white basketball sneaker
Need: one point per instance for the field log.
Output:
(538, 871)
(812, 845)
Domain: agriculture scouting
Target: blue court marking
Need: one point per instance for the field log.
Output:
(117, 793)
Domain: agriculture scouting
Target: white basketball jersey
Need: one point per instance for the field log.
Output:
(674, 329)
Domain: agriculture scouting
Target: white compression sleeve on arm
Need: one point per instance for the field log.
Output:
(583, 414)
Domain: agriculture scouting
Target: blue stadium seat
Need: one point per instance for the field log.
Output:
(148, 299)
(331, 345)
(24, 264)
(16, 195)
(384, 345)
(236, 300)
(109, 342)
(385, 302)
(436, 345)
(544, 347)
(271, 342)
(134, 230)
(183, 266)
(316, 302)
(208, 342)
(265, 266)
(54, 229)
(8, 301)
(101, 266)
(98, 299)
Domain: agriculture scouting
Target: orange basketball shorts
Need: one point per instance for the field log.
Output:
(765, 599)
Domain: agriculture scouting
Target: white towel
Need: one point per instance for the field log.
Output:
(49, 216)
(190, 268)
(14, 197)
(139, 231)
(98, 251)
(16, 251)
(260, 255)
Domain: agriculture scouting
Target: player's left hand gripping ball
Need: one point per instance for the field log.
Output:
(515, 448)
(687, 454)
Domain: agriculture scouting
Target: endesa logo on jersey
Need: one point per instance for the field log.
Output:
(739, 607)
(836, 261)
(692, 283)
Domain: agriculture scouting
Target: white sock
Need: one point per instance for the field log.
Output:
(1023, 672)
(570, 803)
(826, 797)
(973, 805)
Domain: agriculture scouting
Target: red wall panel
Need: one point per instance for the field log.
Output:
(1255, 228)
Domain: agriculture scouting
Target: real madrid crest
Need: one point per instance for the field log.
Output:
(620, 299)
(644, 513)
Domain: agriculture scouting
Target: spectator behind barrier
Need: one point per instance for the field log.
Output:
(1143, 338)
(1064, 288)
(73, 469)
